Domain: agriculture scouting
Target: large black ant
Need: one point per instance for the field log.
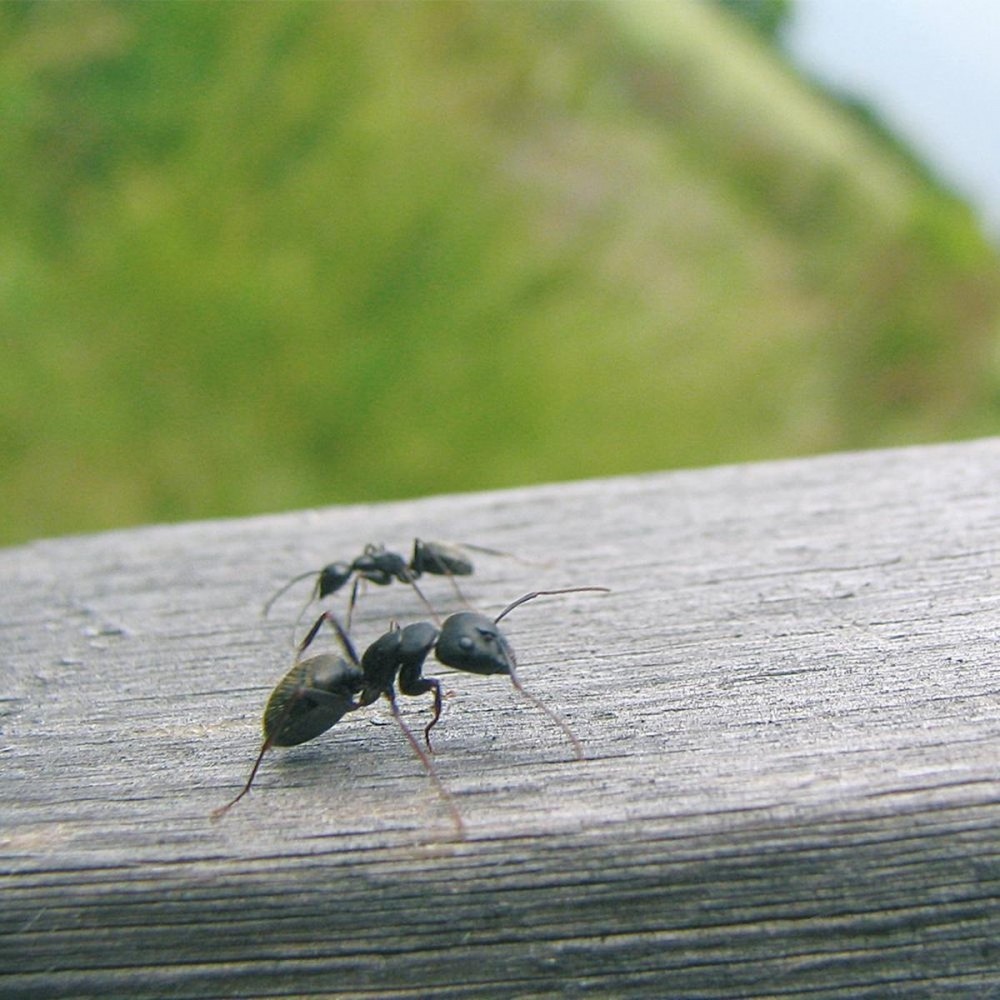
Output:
(316, 693)
(380, 566)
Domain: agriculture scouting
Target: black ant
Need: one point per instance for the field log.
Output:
(316, 693)
(380, 566)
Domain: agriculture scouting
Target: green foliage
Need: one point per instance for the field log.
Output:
(263, 257)
(766, 17)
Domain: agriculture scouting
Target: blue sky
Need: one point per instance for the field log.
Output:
(932, 70)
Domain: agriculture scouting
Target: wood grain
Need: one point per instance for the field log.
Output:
(789, 704)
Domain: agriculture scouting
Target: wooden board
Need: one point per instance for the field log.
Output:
(789, 704)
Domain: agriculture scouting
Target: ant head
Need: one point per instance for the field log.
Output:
(332, 578)
(472, 642)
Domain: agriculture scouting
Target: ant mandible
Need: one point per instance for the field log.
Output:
(316, 693)
(380, 566)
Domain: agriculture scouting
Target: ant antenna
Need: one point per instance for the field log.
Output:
(544, 593)
(508, 655)
(542, 707)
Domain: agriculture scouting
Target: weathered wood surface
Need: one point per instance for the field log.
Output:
(789, 702)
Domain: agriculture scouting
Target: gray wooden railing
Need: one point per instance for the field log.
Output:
(790, 705)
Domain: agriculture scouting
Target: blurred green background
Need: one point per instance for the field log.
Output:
(258, 257)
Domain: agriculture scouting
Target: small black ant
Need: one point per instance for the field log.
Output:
(380, 566)
(316, 693)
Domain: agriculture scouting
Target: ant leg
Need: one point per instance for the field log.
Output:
(410, 579)
(456, 817)
(302, 611)
(436, 687)
(312, 633)
(353, 600)
(288, 586)
(411, 685)
(458, 590)
(342, 636)
(217, 814)
(271, 734)
(275, 731)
